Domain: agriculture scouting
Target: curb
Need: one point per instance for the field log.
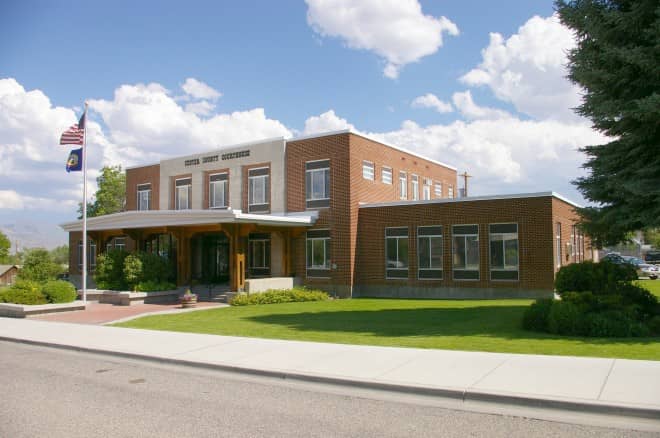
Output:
(454, 394)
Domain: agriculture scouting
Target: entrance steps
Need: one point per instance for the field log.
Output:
(218, 293)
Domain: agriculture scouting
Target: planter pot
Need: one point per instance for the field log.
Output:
(192, 302)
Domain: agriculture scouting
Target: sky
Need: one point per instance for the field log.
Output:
(480, 85)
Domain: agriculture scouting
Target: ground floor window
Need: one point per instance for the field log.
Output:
(259, 254)
(318, 253)
(429, 253)
(396, 252)
(91, 255)
(465, 252)
(116, 243)
(504, 264)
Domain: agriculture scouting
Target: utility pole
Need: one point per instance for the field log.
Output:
(465, 183)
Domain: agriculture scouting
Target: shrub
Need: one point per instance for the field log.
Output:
(39, 266)
(613, 323)
(155, 268)
(58, 291)
(598, 278)
(274, 296)
(536, 315)
(565, 318)
(654, 325)
(154, 286)
(110, 270)
(133, 270)
(24, 292)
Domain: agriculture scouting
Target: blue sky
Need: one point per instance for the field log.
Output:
(167, 78)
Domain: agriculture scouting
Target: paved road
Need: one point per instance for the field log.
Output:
(57, 393)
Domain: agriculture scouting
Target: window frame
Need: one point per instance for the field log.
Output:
(437, 188)
(258, 207)
(266, 243)
(177, 204)
(321, 271)
(465, 236)
(139, 191)
(383, 171)
(212, 190)
(450, 191)
(430, 237)
(312, 202)
(414, 184)
(368, 167)
(490, 258)
(397, 238)
(403, 185)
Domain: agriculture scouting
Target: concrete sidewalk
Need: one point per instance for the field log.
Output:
(605, 386)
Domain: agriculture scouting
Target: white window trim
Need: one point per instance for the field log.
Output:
(226, 184)
(320, 169)
(436, 186)
(382, 174)
(254, 178)
(250, 241)
(490, 261)
(371, 168)
(414, 182)
(148, 191)
(176, 194)
(403, 185)
(314, 268)
(452, 253)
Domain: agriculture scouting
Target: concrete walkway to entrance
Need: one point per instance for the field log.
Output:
(96, 313)
(616, 387)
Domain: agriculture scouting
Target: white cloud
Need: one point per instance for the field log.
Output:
(202, 108)
(528, 69)
(328, 121)
(466, 106)
(396, 30)
(200, 90)
(430, 100)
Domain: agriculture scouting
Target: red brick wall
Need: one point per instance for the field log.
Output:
(534, 238)
(566, 215)
(142, 175)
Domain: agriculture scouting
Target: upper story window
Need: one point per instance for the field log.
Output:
(415, 187)
(259, 190)
(503, 251)
(386, 175)
(438, 190)
(426, 189)
(317, 184)
(450, 191)
(219, 190)
(403, 185)
(144, 197)
(368, 170)
(183, 194)
(558, 243)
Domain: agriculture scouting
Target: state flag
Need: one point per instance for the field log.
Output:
(74, 163)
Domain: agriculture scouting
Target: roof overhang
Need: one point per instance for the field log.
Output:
(472, 199)
(169, 218)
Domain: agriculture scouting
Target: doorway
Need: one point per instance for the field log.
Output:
(210, 261)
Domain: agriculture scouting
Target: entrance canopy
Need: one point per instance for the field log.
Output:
(164, 218)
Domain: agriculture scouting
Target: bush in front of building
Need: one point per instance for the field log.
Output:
(58, 291)
(597, 300)
(39, 266)
(23, 292)
(276, 296)
(110, 270)
(133, 271)
(155, 268)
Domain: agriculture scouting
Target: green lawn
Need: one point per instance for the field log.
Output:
(492, 325)
(652, 285)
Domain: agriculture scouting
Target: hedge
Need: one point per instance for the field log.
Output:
(274, 296)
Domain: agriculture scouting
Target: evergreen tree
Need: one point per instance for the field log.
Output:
(111, 194)
(616, 63)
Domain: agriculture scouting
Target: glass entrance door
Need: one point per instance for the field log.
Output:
(215, 258)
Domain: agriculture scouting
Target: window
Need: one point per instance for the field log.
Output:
(318, 253)
(368, 170)
(504, 264)
(183, 194)
(429, 252)
(403, 185)
(218, 190)
(396, 252)
(558, 243)
(426, 189)
(258, 190)
(91, 255)
(415, 187)
(144, 197)
(259, 254)
(438, 190)
(317, 183)
(465, 252)
(450, 191)
(386, 175)
(116, 243)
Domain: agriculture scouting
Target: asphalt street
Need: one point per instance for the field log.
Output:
(57, 393)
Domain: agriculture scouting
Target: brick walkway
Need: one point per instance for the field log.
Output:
(98, 314)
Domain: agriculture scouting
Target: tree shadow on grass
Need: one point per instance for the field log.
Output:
(488, 321)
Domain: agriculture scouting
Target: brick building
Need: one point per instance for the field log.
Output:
(338, 211)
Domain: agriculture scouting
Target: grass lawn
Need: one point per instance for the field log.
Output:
(488, 325)
(652, 285)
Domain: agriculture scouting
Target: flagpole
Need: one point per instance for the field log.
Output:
(84, 230)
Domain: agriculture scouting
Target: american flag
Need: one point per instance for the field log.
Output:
(75, 134)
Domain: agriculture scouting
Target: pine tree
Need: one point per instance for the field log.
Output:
(616, 62)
